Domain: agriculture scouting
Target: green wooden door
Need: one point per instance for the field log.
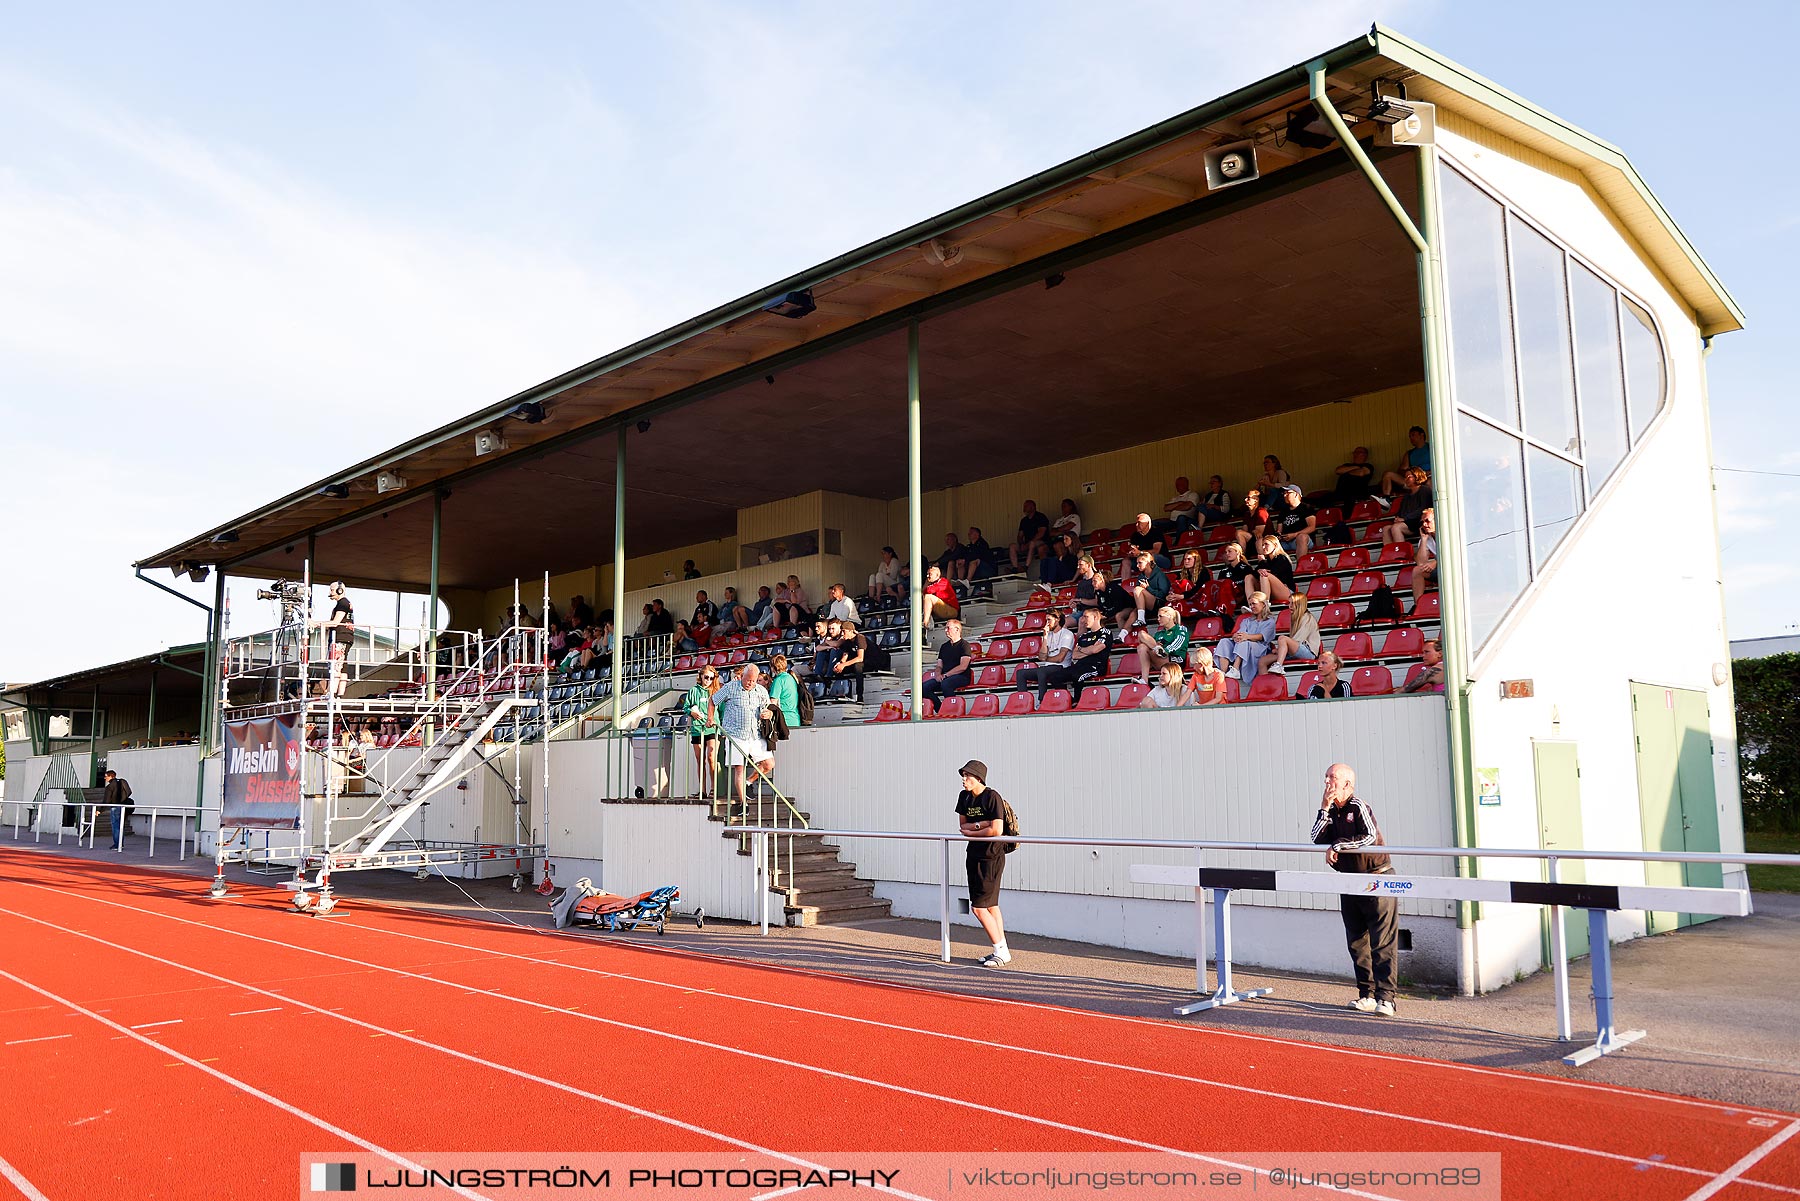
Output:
(1559, 829)
(1676, 799)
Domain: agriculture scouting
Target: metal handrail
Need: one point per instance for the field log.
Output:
(91, 824)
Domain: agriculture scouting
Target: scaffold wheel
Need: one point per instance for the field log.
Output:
(518, 882)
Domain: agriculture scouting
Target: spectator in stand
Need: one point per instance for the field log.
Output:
(1329, 686)
(1274, 572)
(841, 608)
(1166, 644)
(1069, 522)
(1300, 643)
(643, 625)
(1087, 590)
(762, 613)
(1296, 522)
(1059, 566)
(852, 654)
(1273, 475)
(784, 690)
(1243, 651)
(1149, 590)
(825, 650)
(1087, 664)
(978, 557)
(1114, 598)
(884, 582)
(1145, 537)
(704, 610)
(1237, 569)
(1179, 512)
(955, 660)
(683, 638)
(1190, 575)
(742, 706)
(1418, 455)
(689, 571)
(1168, 693)
(703, 727)
(732, 613)
(1432, 678)
(1405, 526)
(661, 620)
(791, 603)
(940, 599)
(1215, 506)
(1059, 646)
(1254, 518)
(950, 562)
(580, 612)
(1355, 479)
(1425, 558)
(1207, 685)
(1033, 540)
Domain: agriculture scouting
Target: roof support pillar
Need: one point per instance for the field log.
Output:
(94, 738)
(1446, 486)
(915, 523)
(431, 605)
(618, 588)
(150, 718)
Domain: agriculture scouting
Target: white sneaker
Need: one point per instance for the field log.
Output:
(1232, 672)
(1366, 1005)
(995, 959)
(1384, 1009)
(1279, 669)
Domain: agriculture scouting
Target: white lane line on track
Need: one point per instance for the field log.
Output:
(569, 1088)
(151, 1025)
(19, 1182)
(1241, 1089)
(744, 961)
(743, 1144)
(19, 1042)
(246, 1012)
(233, 1081)
(1736, 1170)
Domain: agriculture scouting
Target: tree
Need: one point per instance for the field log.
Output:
(1768, 721)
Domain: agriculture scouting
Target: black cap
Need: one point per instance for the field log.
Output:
(976, 768)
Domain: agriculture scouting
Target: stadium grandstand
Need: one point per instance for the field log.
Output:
(1388, 373)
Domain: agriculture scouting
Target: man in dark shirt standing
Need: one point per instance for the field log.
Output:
(981, 816)
(118, 793)
(1347, 826)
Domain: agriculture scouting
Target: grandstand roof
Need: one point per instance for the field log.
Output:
(129, 677)
(1291, 251)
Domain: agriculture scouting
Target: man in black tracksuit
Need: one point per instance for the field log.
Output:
(1371, 923)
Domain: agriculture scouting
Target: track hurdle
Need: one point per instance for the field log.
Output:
(1597, 899)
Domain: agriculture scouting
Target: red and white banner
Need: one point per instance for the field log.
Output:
(262, 774)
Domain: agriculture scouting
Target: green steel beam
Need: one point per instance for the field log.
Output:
(150, 717)
(915, 523)
(618, 591)
(437, 543)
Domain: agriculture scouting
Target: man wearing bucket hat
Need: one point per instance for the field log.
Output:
(981, 816)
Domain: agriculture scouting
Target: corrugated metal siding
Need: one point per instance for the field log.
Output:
(1310, 444)
(654, 845)
(779, 518)
(1249, 773)
(161, 776)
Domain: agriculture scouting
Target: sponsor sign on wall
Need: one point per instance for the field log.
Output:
(262, 774)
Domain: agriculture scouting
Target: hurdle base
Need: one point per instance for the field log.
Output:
(1224, 996)
(1608, 1042)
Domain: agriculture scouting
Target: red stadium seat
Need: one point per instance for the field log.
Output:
(738, 656)
(1365, 582)
(684, 663)
(891, 711)
(1372, 681)
(1307, 680)
(1035, 604)
(1095, 699)
(1284, 621)
(1000, 648)
(1129, 695)
(1065, 594)
(1330, 516)
(1094, 537)
(1189, 538)
(985, 705)
(1007, 625)
(1232, 691)
(1354, 645)
(1427, 608)
(1268, 687)
(1404, 643)
(1403, 581)
(952, 707)
(1031, 646)
(1312, 564)
(719, 659)
(1323, 588)
(992, 676)
(1055, 701)
(1209, 628)
(1397, 552)
(1365, 510)
(1413, 673)
(1019, 704)
(1353, 558)
(1219, 534)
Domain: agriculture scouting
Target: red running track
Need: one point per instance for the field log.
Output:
(152, 1034)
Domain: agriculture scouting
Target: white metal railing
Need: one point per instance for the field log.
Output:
(88, 821)
(1199, 847)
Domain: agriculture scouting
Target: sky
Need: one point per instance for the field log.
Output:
(243, 244)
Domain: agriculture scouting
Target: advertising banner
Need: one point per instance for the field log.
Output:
(262, 774)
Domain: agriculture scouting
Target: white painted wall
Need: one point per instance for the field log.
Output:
(653, 845)
(1633, 593)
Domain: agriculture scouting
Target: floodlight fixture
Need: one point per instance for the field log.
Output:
(530, 412)
(335, 491)
(792, 304)
(1307, 127)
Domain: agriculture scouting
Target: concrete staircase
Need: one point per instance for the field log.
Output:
(822, 888)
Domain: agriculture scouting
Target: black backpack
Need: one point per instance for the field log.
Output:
(1336, 534)
(1009, 825)
(803, 703)
(1382, 606)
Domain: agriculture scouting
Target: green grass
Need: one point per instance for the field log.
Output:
(1773, 879)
